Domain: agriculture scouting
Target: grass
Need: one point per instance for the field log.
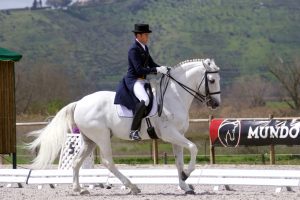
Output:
(277, 105)
(250, 159)
(133, 153)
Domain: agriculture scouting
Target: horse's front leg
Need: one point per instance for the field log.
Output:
(178, 153)
(179, 142)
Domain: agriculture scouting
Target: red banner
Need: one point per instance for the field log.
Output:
(233, 133)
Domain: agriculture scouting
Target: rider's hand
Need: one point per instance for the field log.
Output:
(162, 69)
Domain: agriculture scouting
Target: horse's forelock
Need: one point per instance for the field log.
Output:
(210, 65)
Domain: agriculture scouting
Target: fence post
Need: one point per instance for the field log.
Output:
(212, 148)
(155, 151)
(165, 158)
(272, 148)
(263, 158)
(272, 154)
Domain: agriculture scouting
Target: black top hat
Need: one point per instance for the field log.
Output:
(141, 28)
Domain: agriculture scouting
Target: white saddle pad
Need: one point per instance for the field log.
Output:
(125, 112)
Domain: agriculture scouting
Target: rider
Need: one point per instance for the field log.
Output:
(131, 92)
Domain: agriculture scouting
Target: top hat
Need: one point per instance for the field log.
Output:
(141, 28)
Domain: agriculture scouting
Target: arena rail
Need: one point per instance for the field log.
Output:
(208, 120)
(214, 177)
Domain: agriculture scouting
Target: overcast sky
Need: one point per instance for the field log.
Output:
(5, 4)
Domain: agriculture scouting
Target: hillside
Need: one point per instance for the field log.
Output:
(89, 44)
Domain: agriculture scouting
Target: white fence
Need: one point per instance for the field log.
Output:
(214, 177)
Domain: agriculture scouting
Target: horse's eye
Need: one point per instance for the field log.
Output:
(212, 81)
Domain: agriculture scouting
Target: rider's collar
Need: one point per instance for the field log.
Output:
(144, 47)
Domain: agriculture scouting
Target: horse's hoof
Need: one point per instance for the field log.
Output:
(190, 192)
(76, 189)
(135, 191)
(191, 187)
(183, 176)
(108, 186)
(84, 192)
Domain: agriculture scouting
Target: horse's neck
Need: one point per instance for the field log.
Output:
(189, 75)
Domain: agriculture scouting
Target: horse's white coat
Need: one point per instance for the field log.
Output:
(97, 119)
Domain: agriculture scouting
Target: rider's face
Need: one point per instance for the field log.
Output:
(143, 37)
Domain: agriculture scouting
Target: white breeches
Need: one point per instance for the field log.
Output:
(139, 91)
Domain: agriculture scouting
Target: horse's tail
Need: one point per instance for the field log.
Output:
(51, 138)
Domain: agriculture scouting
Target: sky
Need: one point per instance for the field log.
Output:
(6, 4)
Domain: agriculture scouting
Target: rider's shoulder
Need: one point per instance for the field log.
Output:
(135, 48)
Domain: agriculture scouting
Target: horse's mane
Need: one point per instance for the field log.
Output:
(187, 61)
(207, 67)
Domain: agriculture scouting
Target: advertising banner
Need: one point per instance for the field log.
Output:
(233, 133)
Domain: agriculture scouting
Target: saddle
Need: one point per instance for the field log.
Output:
(151, 108)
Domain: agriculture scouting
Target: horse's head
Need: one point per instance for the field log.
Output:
(210, 84)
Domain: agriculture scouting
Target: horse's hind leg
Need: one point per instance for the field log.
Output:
(85, 151)
(106, 156)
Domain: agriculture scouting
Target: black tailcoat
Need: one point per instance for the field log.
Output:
(140, 64)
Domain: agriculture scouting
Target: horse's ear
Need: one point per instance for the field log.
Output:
(207, 61)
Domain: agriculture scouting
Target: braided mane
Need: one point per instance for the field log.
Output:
(208, 67)
(187, 61)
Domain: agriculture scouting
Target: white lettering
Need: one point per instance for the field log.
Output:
(284, 132)
(252, 133)
(263, 132)
(296, 130)
(273, 132)
(281, 131)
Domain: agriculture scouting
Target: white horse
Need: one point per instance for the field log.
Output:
(96, 117)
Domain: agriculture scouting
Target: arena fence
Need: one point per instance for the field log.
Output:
(212, 146)
(215, 177)
(235, 132)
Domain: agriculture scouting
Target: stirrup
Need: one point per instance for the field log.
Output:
(134, 135)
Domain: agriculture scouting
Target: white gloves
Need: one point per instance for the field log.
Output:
(162, 69)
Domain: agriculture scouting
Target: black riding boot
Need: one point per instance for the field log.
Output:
(137, 120)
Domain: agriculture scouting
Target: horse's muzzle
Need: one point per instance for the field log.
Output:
(213, 103)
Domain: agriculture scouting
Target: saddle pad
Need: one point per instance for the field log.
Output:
(125, 112)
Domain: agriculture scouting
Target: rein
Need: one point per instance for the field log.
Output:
(200, 97)
(192, 92)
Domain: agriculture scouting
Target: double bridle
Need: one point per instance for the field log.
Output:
(195, 93)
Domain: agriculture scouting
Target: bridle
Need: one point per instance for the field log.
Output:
(195, 93)
(202, 98)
